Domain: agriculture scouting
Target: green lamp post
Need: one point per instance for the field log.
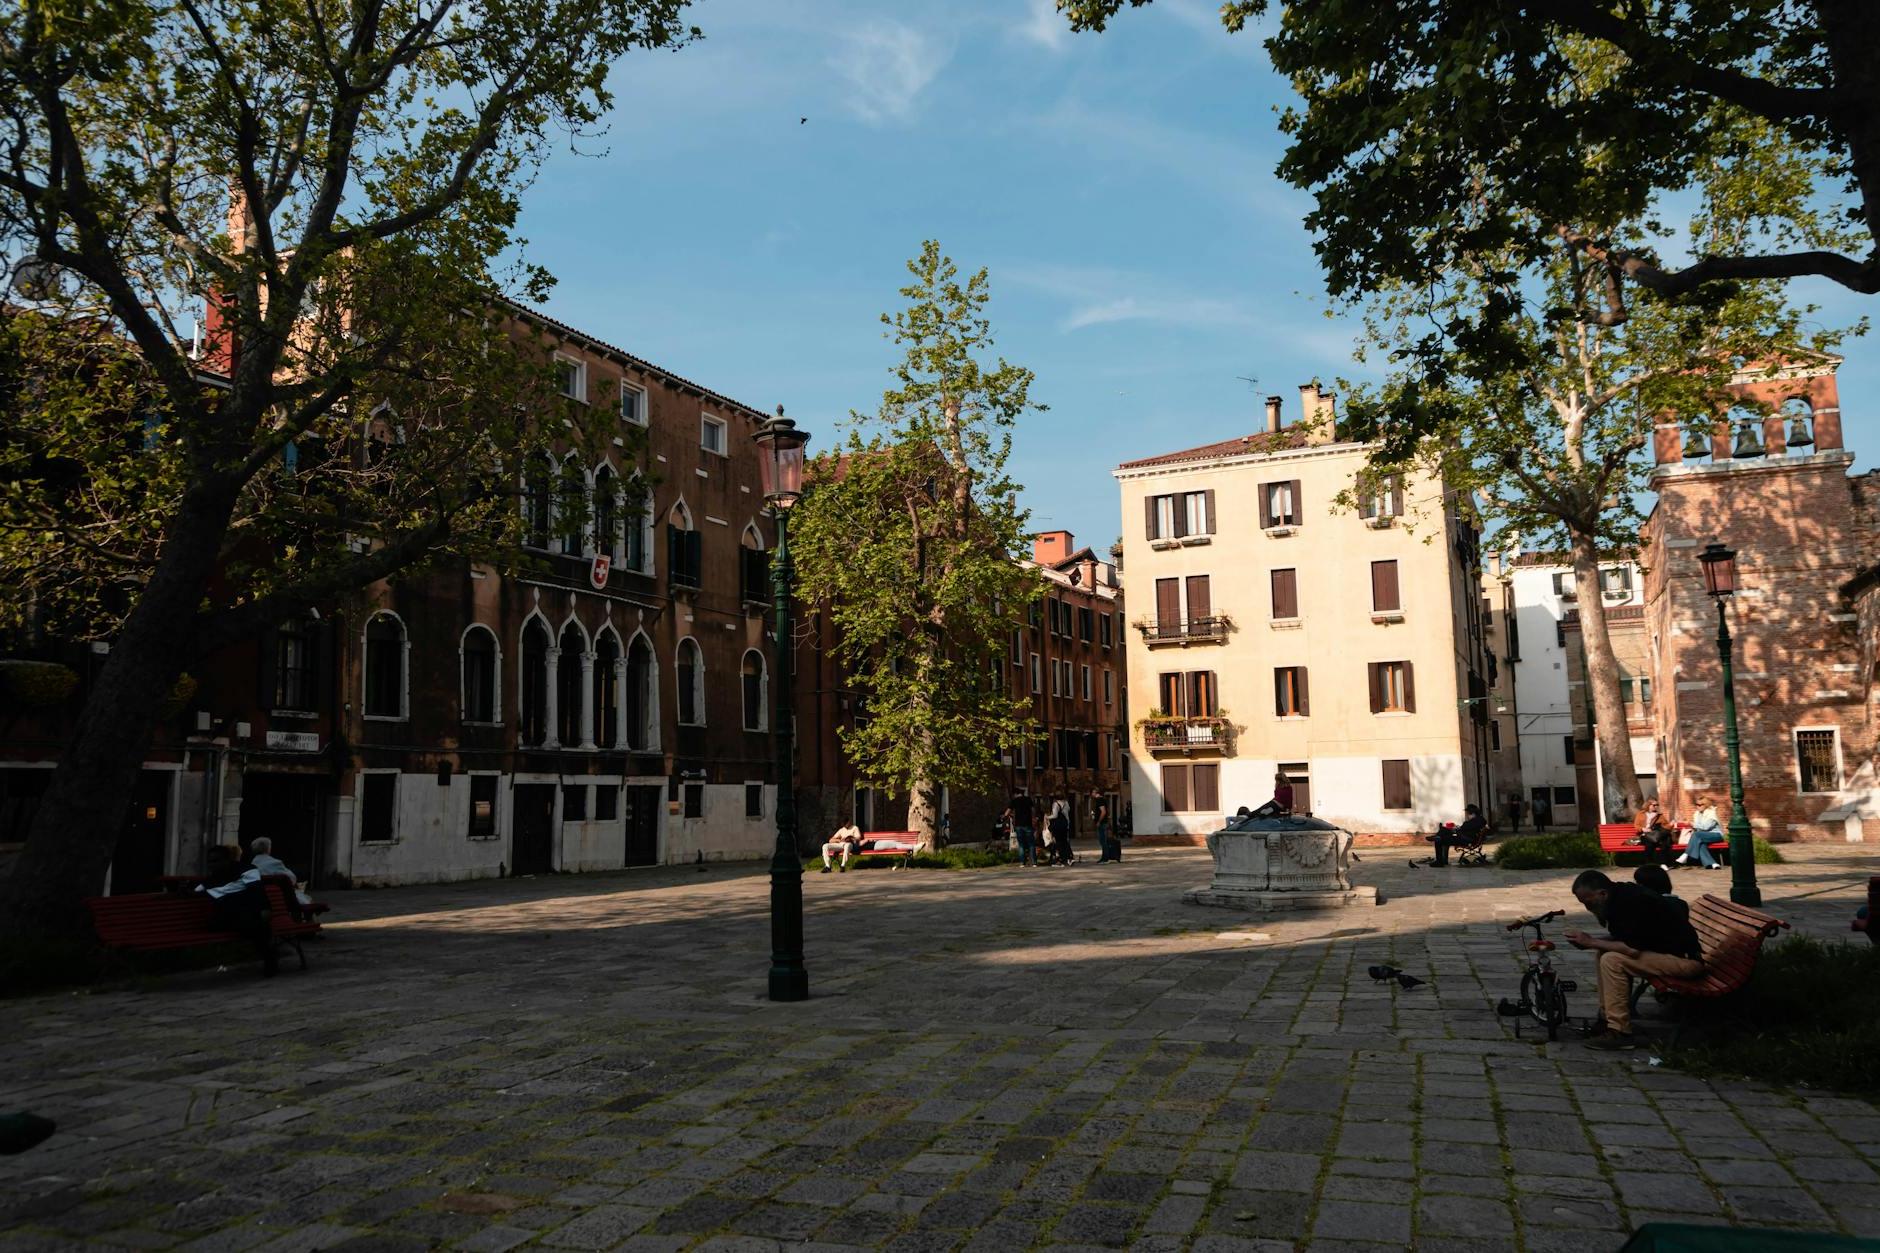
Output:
(1720, 581)
(780, 460)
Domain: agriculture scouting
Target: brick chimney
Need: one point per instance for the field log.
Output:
(1050, 547)
(1272, 415)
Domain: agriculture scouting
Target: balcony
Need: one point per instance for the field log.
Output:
(1189, 737)
(1209, 630)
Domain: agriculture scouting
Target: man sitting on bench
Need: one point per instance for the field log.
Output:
(1647, 937)
(844, 841)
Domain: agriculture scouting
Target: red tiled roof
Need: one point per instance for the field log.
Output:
(1261, 441)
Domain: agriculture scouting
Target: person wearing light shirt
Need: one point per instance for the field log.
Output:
(844, 842)
(1705, 830)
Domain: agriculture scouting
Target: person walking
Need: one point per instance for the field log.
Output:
(1059, 825)
(1111, 848)
(1706, 829)
(1019, 814)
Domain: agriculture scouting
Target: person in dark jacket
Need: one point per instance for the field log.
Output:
(1646, 935)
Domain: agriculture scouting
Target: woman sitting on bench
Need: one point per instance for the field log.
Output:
(1654, 836)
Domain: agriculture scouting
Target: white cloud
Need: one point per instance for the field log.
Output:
(887, 65)
(1199, 311)
(1044, 25)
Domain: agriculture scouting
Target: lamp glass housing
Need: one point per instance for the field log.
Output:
(780, 460)
(1719, 569)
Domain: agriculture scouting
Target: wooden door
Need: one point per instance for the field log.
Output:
(532, 829)
(643, 806)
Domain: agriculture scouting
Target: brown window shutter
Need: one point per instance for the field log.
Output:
(1174, 789)
(1168, 602)
(1207, 789)
(1298, 504)
(1179, 507)
(1172, 695)
(1208, 511)
(1279, 691)
(1409, 688)
(1265, 493)
(1285, 594)
(1397, 784)
(1367, 499)
(1148, 522)
(1305, 700)
(1396, 495)
(1375, 671)
(1201, 702)
(1198, 606)
(1384, 595)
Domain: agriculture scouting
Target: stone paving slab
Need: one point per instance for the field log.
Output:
(997, 1060)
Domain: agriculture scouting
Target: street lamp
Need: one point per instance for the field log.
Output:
(1720, 581)
(780, 461)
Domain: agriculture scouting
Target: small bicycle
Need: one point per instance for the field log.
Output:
(1543, 993)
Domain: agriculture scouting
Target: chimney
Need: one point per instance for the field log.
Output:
(1319, 407)
(1050, 547)
(1272, 415)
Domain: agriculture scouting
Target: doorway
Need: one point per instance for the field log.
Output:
(290, 809)
(643, 806)
(532, 829)
(1299, 774)
(143, 841)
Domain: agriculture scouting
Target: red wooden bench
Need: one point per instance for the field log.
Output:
(151, 921)
(1731, 937)
(902, 844)
(1621, 838)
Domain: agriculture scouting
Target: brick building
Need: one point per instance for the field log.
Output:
(1777, 490)
(474, 720)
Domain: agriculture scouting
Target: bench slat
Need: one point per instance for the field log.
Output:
(1731, 937)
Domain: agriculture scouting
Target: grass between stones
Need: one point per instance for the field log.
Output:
(1808, 1017)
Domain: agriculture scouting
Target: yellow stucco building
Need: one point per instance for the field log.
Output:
(1276, 630)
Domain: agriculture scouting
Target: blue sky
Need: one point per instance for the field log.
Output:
(1119, 187)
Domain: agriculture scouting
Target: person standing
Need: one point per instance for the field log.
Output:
(1110, 847)
(1059, 825)
(1019, 814)
(1706, 829)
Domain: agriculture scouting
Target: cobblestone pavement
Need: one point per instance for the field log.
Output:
(993, 1060)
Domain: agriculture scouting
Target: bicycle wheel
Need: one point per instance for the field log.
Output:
(1529, 991)
(1550, 1003)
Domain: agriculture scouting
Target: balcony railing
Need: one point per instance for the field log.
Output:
(1188, 735)
(1209, 630)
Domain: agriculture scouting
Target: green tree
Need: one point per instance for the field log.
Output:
(1435, 129)
(908, 534)
(339, 182)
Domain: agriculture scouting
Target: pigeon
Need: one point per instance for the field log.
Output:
(1384, 974)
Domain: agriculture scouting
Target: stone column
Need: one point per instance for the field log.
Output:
(620, 704)
(551, 698)
(586, 721)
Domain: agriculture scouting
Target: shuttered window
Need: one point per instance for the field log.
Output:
(1279, 503)
(1384, 595)
(1198, 600)
(1397, 784)
(1189, 694)
(1207, 789)
(1289, 692)
(1178, 515)
(1393, 687)
(1175, 789)
(1285, 594)
(1168, 602)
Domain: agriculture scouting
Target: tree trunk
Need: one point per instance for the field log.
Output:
(74, 832)
(1622, 796)
(923, 809)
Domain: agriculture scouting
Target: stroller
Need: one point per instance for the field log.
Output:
(1466, 853)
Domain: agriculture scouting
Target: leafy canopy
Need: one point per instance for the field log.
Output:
(907, 536)
(258, 255)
